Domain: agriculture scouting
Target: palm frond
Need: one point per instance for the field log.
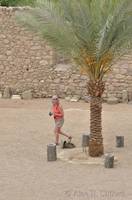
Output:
(91, 32)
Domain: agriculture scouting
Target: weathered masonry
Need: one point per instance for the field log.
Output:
(26, 62)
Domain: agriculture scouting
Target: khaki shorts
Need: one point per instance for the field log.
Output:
(59, 123)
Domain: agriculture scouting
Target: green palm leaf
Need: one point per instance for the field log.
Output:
(91, 32)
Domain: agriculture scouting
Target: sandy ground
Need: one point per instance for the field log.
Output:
(25, 174)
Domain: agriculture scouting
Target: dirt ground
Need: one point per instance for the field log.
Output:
(25, 174)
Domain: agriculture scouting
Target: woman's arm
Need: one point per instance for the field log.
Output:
(62, 111)
(51, 112)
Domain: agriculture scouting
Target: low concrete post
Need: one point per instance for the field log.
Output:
(119, 141)
(51, 152)
(109, 160)
(85, 142)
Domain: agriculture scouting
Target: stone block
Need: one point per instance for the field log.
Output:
(27, 95)
(75, 98)
(68, 98)
(16, 97)
(124, 96)
(62, 67)
(7, 93)
(112, 100)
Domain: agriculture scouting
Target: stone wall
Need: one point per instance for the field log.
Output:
(26, 62)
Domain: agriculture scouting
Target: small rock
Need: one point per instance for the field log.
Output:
(16, 97)
(87, 99)
(62, 67)
(67, 98)
(75, 99)
(27, 95)
(43, 62)
(7, 93)
(42, 81)
(6, 41)
(8, 53)
(112, 100)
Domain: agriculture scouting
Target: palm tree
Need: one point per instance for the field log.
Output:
(93, 34)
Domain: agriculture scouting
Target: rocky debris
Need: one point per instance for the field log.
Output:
(68, 98)
(75, 98)
(124, 96)
(7, 93)
(27, 95)
(16, 97)
(63, 67)
(112, 100)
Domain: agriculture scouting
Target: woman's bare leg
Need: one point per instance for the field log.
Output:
(60, 132)
(56, 136)
(64, 134)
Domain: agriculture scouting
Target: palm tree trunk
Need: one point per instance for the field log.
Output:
(96, 90)
(96, 139)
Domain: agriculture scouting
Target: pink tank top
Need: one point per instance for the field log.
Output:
(58, 114)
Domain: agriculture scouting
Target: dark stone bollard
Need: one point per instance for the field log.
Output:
(85, 141)
(119, 141)
(51, 152)
(109, 161)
